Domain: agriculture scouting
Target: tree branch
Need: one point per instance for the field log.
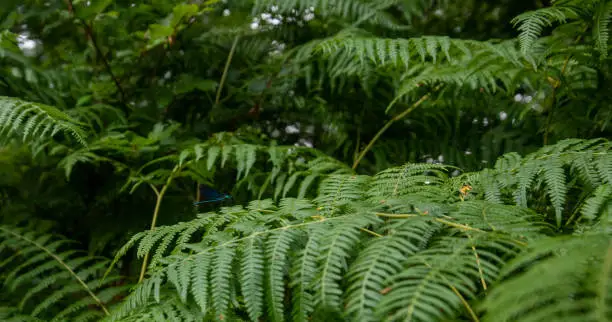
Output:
(91, 36)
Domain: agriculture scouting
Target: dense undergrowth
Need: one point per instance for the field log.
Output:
(397, 160)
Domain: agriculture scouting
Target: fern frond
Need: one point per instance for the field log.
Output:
(408, 179)
(521, 223)
(544, 174)
(397, 52)
(54, 275)
(337, 190)
(180, 278)
(601, 32)
(220, 277)
(337, 246)
(278, 245)
(96, 114)
(13, 314)
(169, 308)
(303, 272)
(532, 23)
(252, 277)
(408, 242)
(597, 203)
(36, 121)
(531, 290)
(431, 286)
(383, 257)
(604, 168)
(554, 176)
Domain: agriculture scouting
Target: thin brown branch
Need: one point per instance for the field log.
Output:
(556, 85)
(91, 36)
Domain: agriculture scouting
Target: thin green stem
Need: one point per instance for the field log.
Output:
(480, 270)
(402, 216)
(388, 125)
(227, 65)
(373, 233)
(160, 195)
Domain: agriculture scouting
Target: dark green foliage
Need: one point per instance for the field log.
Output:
(387, 160)
(421, 243)
(53, 280)
(35, 120)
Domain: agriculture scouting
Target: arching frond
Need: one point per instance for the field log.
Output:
(532, 23)
(35, 121)
(55, 277)
(545, 174)
(426, 251)
(582, 263)
(601, 31)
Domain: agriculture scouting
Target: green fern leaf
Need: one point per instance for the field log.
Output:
(306, 183)
(277, 248)
(554, 176)
(532, 23)
(213, 153)
(592, 207)
(251, 157)
(225, 153)
(427, 288)
(383, 257)
(41, 120)
(525, 176)
(200, 280)
(583, 164)
(303, 272)
(604, 167)
(337, 247)
(62, 281)
(601, 34)
(252, 276)
(290, 183)
(530, 290)
(220, 277)
(179, 276)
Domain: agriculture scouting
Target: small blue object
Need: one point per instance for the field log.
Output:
(208, 194)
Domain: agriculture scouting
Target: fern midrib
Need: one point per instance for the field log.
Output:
(430, 275)
(486, 219)
(366, 277)
(64, 265)
(228, 243)
(250, 273)
(271, 281)
(480, 270)
(302, 272)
